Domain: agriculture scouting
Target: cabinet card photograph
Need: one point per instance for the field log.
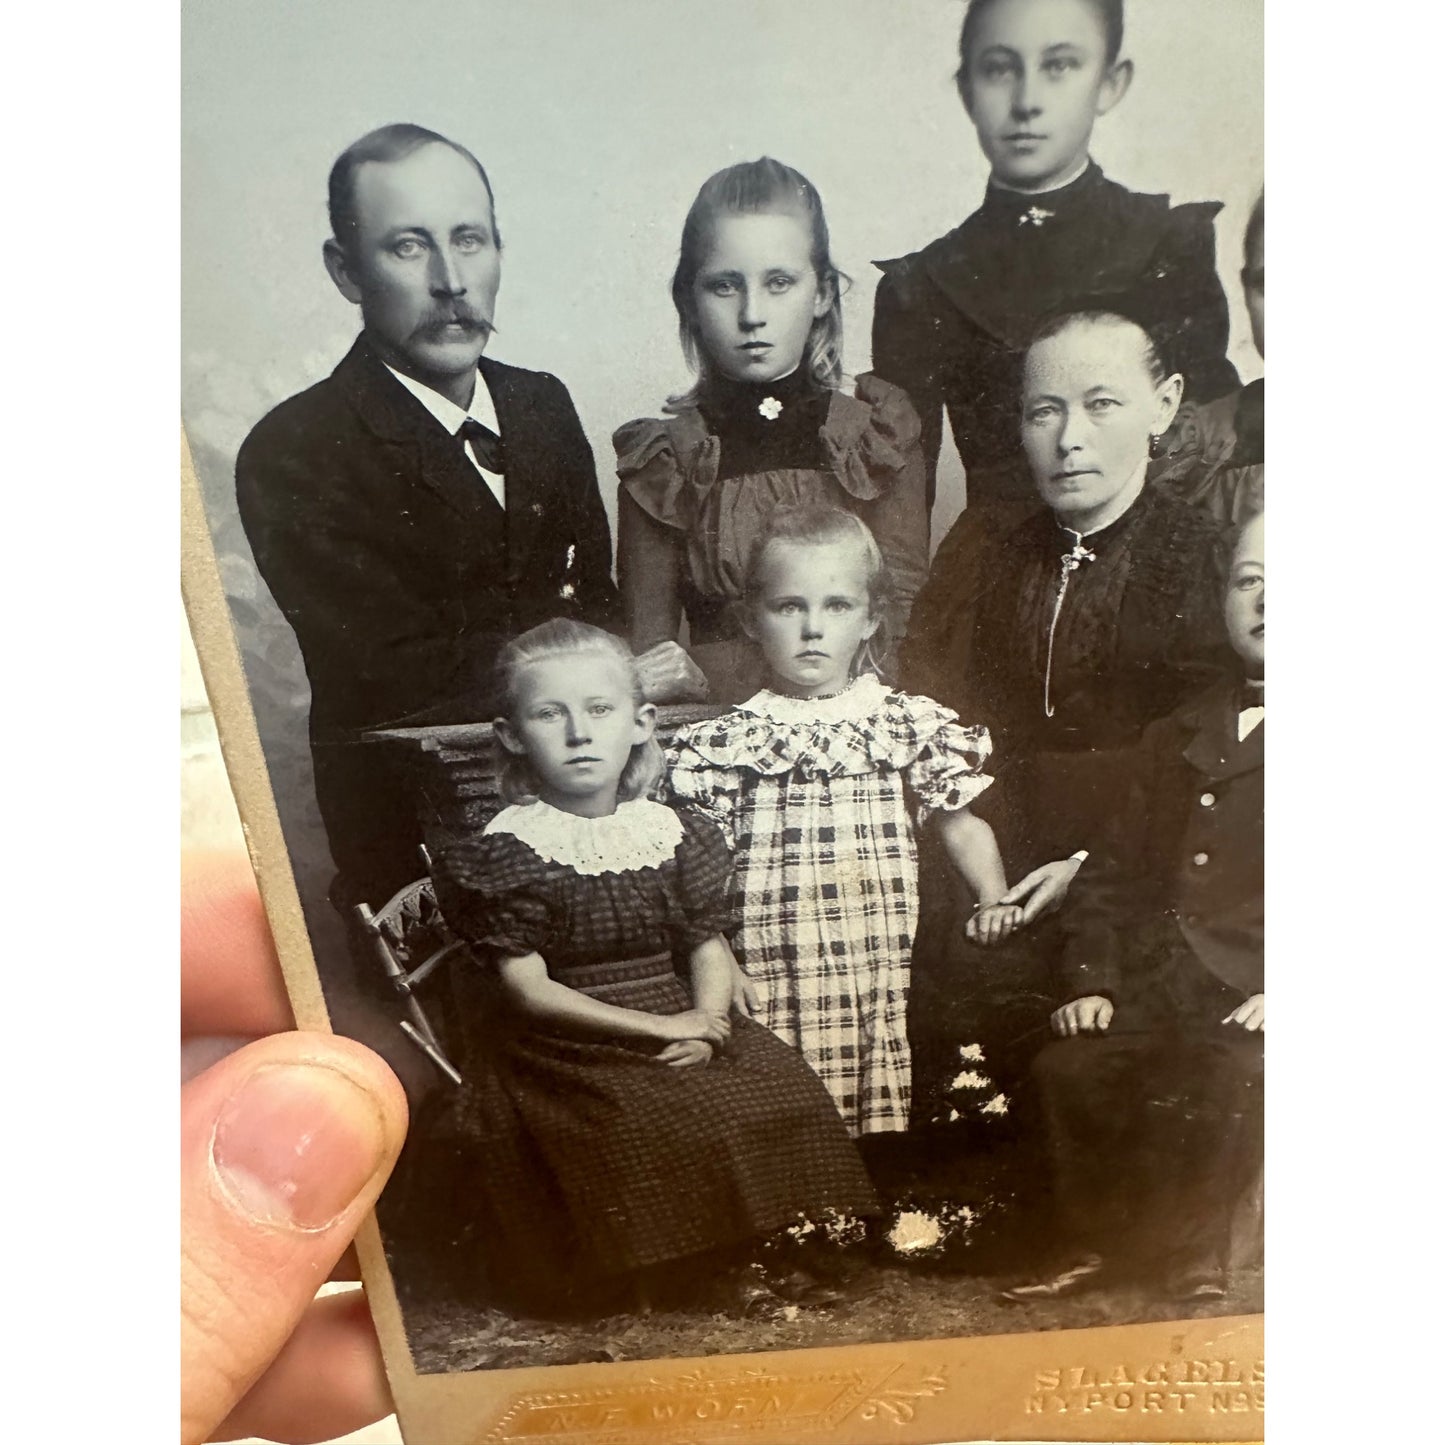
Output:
(727, 546)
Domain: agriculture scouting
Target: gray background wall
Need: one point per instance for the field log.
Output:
(597, 122)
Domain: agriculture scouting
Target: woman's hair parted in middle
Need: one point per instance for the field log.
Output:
(762, 186)
(1105, 314)
(816, 524)
(562, 637)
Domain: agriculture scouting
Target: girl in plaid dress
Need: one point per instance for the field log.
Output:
(819, 781)
(630, 1121)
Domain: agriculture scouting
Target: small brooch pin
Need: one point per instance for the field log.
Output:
(1076, 558)
(1035, 216)
(770, 408)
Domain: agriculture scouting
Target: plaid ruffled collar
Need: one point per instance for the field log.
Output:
(864, 730)
(860, 699)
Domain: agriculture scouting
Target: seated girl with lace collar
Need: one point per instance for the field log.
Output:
(631, 1119)
(817, 780)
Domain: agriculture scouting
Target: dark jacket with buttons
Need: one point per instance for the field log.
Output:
(403, 577)
(1176, 900)
(388, 553)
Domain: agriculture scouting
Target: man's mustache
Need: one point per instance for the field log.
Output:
(435, 323)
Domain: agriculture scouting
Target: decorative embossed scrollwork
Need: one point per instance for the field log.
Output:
(899, 1402)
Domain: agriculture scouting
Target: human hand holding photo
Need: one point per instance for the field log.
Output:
(1249, 1015)
(1091, 1014)
(286, 1140)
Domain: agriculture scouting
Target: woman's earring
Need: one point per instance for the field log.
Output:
(1156, 444)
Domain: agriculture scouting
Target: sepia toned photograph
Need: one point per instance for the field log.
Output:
(729, 564)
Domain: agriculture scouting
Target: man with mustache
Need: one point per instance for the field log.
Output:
(424, 503)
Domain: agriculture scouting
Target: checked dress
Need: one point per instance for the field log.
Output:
(598, 1159)
(820, 799)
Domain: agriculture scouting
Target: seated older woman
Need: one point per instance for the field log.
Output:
(1066, 628)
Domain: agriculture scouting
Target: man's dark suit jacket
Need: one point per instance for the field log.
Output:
(1175, 911)
(402, 576)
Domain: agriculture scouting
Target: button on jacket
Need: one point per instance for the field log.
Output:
(1181, 886)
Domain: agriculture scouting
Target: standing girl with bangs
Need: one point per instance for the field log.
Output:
(769, 423)
(821, 781)
(631, 1120)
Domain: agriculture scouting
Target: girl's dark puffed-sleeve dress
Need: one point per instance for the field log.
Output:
(612, 1161)
(697, 489)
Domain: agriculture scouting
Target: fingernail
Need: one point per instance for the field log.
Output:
(295, 1145)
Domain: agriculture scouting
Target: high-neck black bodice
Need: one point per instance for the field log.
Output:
(752, 440)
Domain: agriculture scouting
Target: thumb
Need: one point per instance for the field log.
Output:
(285, 1145)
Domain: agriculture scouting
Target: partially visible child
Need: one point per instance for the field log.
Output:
(1153, 1093)
(1215, 451)
(819, 781)
(769, 423)
(951, 321)
(638, 1121)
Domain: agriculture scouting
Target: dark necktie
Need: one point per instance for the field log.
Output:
(486, 446)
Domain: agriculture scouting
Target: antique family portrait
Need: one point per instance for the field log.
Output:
(744, 529)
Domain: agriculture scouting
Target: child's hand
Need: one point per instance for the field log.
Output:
(686, 1054)
(694, 1024)
(994, 923)
(745, 994)
(1250, 1014)
(1091, 1014)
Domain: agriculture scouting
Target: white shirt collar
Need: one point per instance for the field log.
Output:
(445, 410)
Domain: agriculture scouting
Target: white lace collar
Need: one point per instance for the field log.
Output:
(640, 834)
(860, 699)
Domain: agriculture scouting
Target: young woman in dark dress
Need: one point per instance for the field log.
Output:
(632, 1121)
(1065, 634)
(951, 321)
(769, 424)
